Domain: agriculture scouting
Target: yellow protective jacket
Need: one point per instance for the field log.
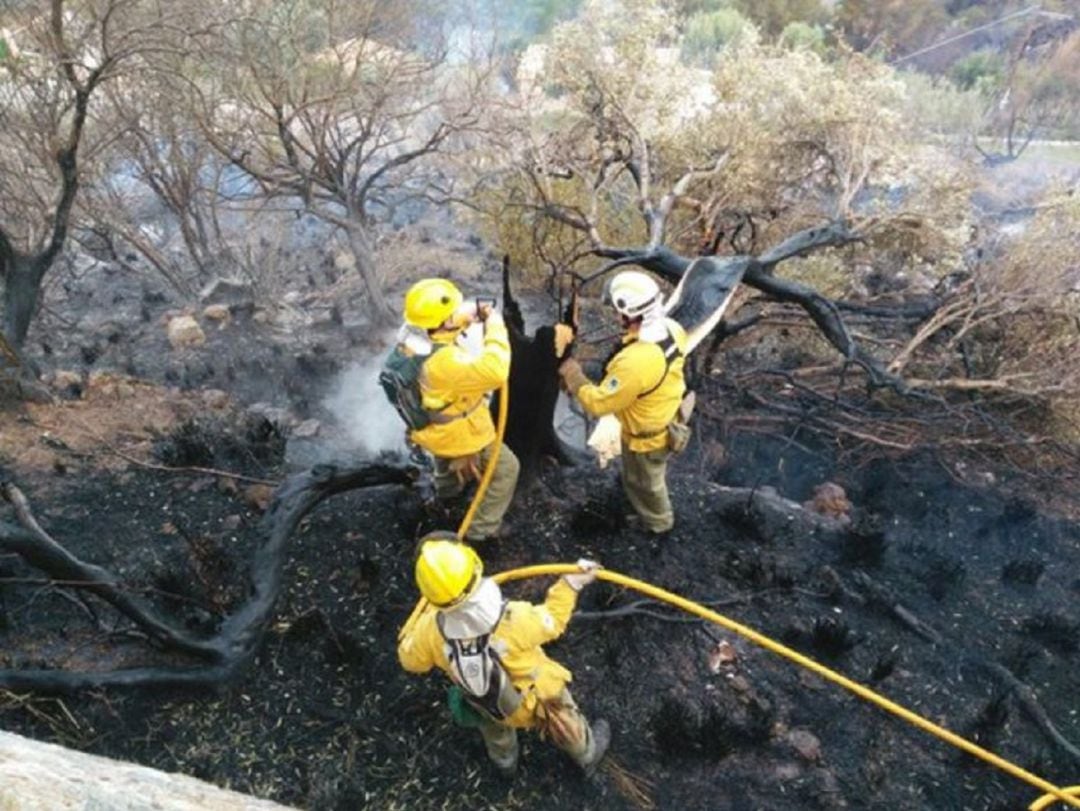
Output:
(453, 385)
(524, 627)
(638, 367)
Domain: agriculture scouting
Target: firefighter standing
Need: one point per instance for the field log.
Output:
(491, 650)
(454, 387)
(643, 387)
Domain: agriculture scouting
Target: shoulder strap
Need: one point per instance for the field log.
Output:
(671, 351)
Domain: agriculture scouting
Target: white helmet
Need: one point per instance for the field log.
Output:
(634, 294)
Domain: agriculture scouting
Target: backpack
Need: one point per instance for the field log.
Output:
(400, 379)
(479, 671)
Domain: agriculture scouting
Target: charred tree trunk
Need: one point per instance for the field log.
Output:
(22, 277)
(21, 274)
(534, 392)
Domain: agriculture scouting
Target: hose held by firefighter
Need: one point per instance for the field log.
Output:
(492, 650)
(442, 392)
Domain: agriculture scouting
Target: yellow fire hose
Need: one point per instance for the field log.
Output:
(481, 489)
(489, 469)
(1069, 796)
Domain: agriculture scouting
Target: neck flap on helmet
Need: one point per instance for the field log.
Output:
(476, 616)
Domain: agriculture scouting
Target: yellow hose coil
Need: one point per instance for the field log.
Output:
(1052, 793)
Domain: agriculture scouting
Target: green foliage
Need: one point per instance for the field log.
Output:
(684, 9)
(773, 16)
(525, 21)
(940, 106)
(710, 33)
(890, 27)
(539, 16)
(3, 49)
(980, 70)
(803, 35)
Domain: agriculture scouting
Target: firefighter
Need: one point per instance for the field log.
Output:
(491, 650)
(454, 387)
(643, 387)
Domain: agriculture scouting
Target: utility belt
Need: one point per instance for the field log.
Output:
(439, 418)
(678, 432)
(649, 434)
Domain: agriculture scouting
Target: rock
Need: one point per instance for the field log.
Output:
(830, 500)
(258, 496)
(37, 776)
(805, 744)
(307, 429)
(787, 772)
(66, 381)
(722, 654)
(223, 290)
(274, 414)
(740, 684)
(293, 297)
(344, 261)
(184, 331)
(227, 485)
(217, 312)
(215, 399)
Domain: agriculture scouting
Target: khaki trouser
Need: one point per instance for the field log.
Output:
(558, 719)
(489, 515)
(644, 478)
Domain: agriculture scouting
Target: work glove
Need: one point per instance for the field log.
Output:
(573, 377)
(490, 316)
(466, 314)
(564, 336)
(588, 569)
(466, 468)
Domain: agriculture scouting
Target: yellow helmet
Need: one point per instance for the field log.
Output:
(447, 571)
(430, 302)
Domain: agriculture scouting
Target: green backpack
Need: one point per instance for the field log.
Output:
(400, 379)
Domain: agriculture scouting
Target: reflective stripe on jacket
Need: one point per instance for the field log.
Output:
(453, 384)
(637, 368)
(524, 627)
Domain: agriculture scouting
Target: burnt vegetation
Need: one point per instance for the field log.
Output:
(873, 479)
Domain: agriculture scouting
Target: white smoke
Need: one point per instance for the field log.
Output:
(365, 418)
(362, 411)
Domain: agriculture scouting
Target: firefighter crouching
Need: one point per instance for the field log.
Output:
(491, 650)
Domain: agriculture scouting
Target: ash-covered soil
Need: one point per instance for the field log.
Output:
(325, 719)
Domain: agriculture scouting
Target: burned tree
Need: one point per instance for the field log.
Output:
(48, 93)
(804, 182)
(338, 113)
